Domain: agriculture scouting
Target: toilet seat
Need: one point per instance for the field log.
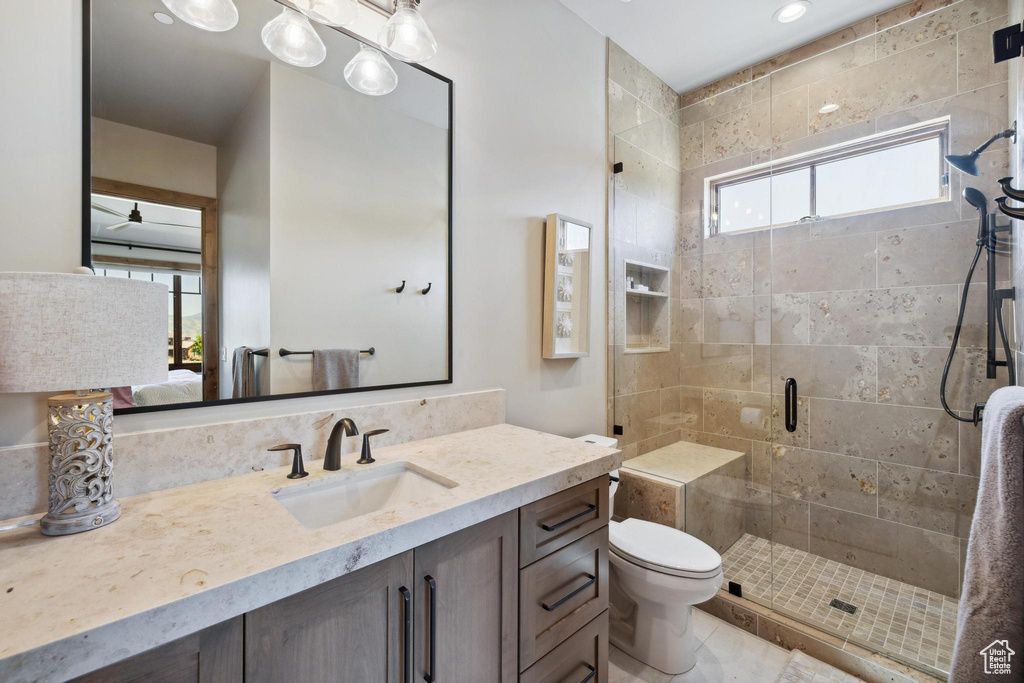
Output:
(663, 549)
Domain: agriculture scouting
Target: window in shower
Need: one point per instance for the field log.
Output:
(880, 172)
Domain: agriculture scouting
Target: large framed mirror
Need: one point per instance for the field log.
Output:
(303, 228)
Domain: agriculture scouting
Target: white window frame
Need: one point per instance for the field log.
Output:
(928, 130)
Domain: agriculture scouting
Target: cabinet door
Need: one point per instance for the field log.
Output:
(213, 655)
(466, 601)
(350, 629)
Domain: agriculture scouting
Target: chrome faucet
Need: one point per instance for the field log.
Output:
(344, 427)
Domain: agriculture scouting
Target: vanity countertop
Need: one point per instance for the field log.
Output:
(182, 559)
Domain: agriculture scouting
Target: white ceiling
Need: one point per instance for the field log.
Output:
(688, 43)
(189, 83)
(187, 234)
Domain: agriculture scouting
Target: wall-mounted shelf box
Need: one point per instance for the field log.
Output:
(648, 312)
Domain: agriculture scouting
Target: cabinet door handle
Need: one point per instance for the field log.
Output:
(593, 672)
(790, 405)
(429, 677)
(407, 655)
(569, 520)
(588, 584)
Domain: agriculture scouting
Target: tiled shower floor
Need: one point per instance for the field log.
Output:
(914, 624)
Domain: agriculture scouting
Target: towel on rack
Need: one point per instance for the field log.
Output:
(243, 373)
(990, 603)
(335, 369)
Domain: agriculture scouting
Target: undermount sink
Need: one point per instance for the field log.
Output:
(354, 494)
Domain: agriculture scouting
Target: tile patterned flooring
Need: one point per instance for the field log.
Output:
(914, 624)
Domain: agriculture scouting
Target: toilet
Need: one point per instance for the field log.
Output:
(657, 574)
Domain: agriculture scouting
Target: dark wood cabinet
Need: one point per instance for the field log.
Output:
(466, 600)
(348, 629)
(213, 655)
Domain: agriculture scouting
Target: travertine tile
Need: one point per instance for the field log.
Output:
(656, 227)
(925, 214)
(645, 176)
(645, 496)
(659, 137)
(928, 255)
(825, 138)
(714, 506)
(728, 273)
(688, 321)
(840, 372)
(740, 132)
(850, 34)
(691, 146)
(731, 613)
(638, 415)
(779, 518)
(922, 437)
(689, 234)
(912, 376)
(721, 366)
(903, 316)
(742, 414)
(637, 79)
(689, 277)
(729, 320)
(691, 408)
(822, 265)
(939, 501)
(970, 447)
(861, 541)
(828, 65)
(623, 227)
(938, 24)
(625, 111)
(908, 12)
(717, 87)
(789, 116)
(917, 75)
(928, 559)
(976, 68)
(838, 481)
(715, 106)
(790, 319)
(779, 433)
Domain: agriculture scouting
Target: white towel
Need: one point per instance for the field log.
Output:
(335, 369)
(991, 604)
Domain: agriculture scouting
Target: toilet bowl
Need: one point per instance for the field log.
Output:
(657, 574)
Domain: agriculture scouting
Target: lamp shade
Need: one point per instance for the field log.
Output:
(72, 332)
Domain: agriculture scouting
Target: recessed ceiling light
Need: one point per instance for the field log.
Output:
(828, 109)
(163, 18)
(792, 11)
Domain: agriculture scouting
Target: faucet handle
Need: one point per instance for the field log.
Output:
(366, 458)
(298, 471)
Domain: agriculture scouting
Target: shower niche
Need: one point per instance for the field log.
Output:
(647, 307)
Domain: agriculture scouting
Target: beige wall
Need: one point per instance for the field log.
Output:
(530, 139)
(859, 310)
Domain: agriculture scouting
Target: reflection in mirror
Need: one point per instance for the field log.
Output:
(566, 326)
(280, 206)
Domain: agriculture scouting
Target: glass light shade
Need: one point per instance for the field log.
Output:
(369, 73)
(209, 15)
(405, 36)
(290, 37)
(330, 12)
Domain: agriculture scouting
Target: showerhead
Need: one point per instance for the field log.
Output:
(968, 163)
(976, 199)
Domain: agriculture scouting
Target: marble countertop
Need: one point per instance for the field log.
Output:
(182, 559)
(682, 461)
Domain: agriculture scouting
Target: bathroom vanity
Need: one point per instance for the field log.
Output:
(500, 573)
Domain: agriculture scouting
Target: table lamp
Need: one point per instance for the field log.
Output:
(80, 332)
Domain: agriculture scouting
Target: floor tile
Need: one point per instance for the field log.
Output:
(733, 655)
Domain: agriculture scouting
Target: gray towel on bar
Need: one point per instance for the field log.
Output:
(243, 373)
(991, 606)
(335, 369)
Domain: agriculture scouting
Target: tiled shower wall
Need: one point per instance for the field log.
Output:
(860, 310)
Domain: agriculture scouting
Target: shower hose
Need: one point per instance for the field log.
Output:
(956, 339)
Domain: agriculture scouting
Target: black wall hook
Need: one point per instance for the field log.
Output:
(399, 290)
(1009, 210)
(1009, 191)
(427, 290)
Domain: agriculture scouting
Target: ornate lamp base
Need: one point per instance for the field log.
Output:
(81, 464)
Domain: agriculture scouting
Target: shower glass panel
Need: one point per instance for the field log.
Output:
(871, 484)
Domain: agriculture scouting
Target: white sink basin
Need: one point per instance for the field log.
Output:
(353, 494)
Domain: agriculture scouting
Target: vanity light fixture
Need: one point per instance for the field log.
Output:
(330, 12)
(792, 11)
(370, 73)
(209, 15)
(290, 37)
(829, 108)
(405, 35)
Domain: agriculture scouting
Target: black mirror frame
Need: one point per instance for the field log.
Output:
(87, 226)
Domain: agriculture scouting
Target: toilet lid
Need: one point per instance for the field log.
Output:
(663, 549)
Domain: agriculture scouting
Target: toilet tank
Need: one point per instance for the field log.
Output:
(607, 442)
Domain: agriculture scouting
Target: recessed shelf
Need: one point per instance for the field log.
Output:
(652, 295)
(647, 314)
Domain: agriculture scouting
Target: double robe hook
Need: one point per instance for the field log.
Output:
(401, 288)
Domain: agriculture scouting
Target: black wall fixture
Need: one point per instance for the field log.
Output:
(399, 290)
(1007, 43)
(427, 290)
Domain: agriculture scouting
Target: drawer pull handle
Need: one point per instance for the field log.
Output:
(593, 672)
(407, 616)
(588, 584)
(558, 525)
(432, 588)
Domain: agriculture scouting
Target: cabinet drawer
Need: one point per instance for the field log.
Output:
(582, 658)
(560, 593)
(558, 520)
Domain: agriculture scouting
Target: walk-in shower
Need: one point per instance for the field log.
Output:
(799, 221)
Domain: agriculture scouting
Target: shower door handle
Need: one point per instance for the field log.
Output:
(790, 405)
